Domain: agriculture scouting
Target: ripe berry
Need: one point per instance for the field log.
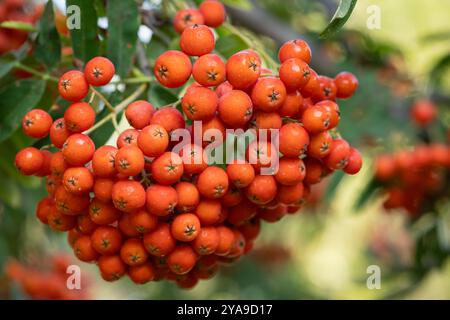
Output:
(59, 133)
(238, 246)
(209, 212)
(182, 259)
(185, 227)
(262, 189)
(259, 154)
(193, 159)
(143, 221)
(290, 171)
(242, 213)
(339, 155)
(233, 197)
(294, 73)
(126, 227)
(44, 208)
(59, 221)
(292, 194)
(106, 240)
(226, 239)
(292, 104)
(78, 180)
(316, 119)
(294, 140)
(213, 130)
(423, 112)
(103, 212)
(243, 69)
(188, 196)
(250, 230)
(36, 123)
(207, 241)
(295, 49)
(240, 174)
(274, 214)
(111, 268)
(199, 103)
(235, 108)
(160, 241)
(172, 68)
(69, 203)
(85, 224)
(312, 88)
(103, 162)
(319, 145)
(102, 189)
(142, 274)
(327, 89)
(133, 252)
(209, 70)
(79, 117)
(167, 168)
(314, 170)
(129, 161)
(223, 88)
(346, 85)
(333, 109)
(213, 182)
(197, 40)
(268, 94)
(169, 118)
(187, 17)
(29, 161)
(83, 249)
(78, 149)
(99, 71)
(128, 195)
(161, 200)
(139, 114)
(73, 86)
(354, 162)
(213, 12)
(267, 120)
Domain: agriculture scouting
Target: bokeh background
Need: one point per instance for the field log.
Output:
(323, 251)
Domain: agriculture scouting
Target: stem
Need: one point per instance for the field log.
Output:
(44, 76)
(118, 108)
(102, 97)
(115, 124)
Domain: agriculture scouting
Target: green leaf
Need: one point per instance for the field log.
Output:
(122, 33)
(440, 68)
(340, 17)
(48, 49)
(5, 67)
(85, 42)
(229, 44)
(16, 99)
(18, 25)
(240, 4)
(366, 194)
(160, 96)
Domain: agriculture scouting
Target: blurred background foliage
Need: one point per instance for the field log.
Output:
(323, 251)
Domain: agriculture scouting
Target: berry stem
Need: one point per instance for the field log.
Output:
(102, 97)
(44, 76)
(118, 108)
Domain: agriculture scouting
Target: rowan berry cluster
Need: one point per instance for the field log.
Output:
(154, 209)
(45, 279)
(413, 179)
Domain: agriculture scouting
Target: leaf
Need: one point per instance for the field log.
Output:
(160, 96)
(48, 49)
(366, 194)
(240, 4)
(229, 44)
(18, 25)
(340, 17)
(16, 99)
(122, 33)
(5, 67)
(439, 70)
(85, 42)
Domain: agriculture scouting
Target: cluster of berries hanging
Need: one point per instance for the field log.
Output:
(150, 210)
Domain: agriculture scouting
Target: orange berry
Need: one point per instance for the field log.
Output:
(182, 259)
(209, 212)
(78, 180)
(319, 145)
(207, 241)
(292, 194)
(59, 133)
(235, 108)
(213, 12)
(290, 171)
(73, 86)
(128, 195)
(143, 221)
(128, 137)
(262, 189)
(209, 70)
(346, 85)
(78, 149)
(226, 239)
(243, 69)
(160, 241)
(129, 161)
(139, 113)
(199, 103)
(213, 182)
(187, 17)
(83, 249)
(37, 123)
(111, 267)
(197, 40)
(294, 140)
(29, 161)
(142, 274)
(185, 227)
(172, 68)
(268, 94)
(103, 162)
(161, 200)
(188, 196)
(167, 168)
(193, 159)
(240, 174)
(133, 252)
(169, 118)
(295, 49)
(99, 71)
(294, 73)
